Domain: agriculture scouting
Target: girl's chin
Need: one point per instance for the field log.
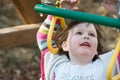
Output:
(86, 49)
(85, 52)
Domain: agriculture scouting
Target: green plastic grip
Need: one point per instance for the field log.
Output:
(75, 15)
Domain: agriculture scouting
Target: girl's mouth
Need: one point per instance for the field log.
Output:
(85, 44)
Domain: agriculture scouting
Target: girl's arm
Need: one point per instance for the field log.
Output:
(48, 60)
(43, 33)
(111, 5)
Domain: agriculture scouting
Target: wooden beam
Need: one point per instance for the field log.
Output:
(25, 9)
(18, 35)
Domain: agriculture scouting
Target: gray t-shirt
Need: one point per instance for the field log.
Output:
(92, 71)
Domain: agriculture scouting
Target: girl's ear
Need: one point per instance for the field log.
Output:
(64, 46)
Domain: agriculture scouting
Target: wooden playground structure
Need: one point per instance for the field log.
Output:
(22, 34)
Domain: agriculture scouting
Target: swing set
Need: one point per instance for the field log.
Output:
(46, 8)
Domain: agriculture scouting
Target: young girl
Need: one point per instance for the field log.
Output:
(80, 55)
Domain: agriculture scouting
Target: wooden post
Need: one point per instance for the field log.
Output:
(18, 35)
(25, 9)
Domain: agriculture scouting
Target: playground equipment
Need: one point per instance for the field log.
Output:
(92, 18)
(27, 30)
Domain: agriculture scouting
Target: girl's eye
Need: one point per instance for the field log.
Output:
(92, 34)
(80, 33)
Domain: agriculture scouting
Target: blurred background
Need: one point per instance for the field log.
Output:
(21, 62)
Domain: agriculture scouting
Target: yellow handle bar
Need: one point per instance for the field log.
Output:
(50, 32)
(113, 60)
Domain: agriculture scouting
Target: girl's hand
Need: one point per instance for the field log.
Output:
(70, 4)
(111, 5)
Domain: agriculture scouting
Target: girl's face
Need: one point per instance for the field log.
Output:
(81, 43)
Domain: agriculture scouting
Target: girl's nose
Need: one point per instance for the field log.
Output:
(86, 37)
